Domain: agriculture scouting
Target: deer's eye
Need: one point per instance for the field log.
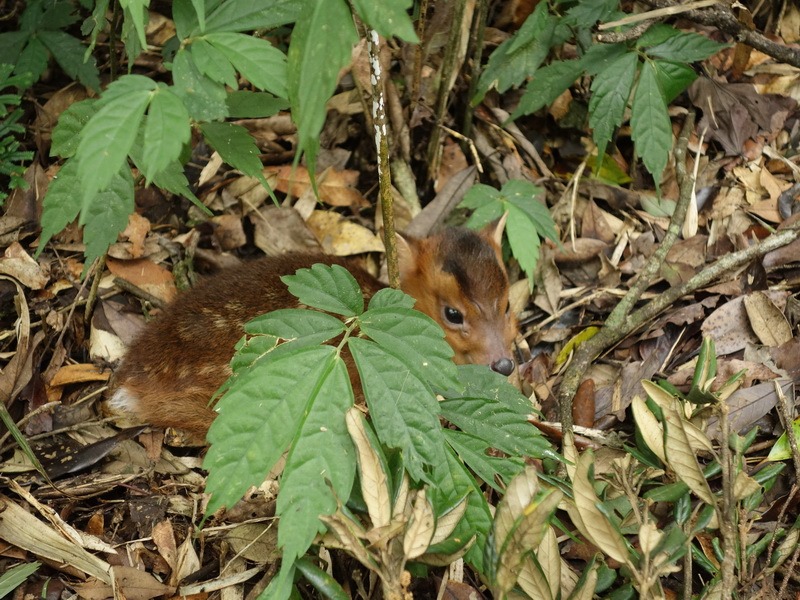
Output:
(453, 316)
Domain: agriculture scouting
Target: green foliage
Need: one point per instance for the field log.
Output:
(14, 577)
(146, 123)
(656, 66)
(10, 154)
(40, 37)
(528, 218)
(290, 395)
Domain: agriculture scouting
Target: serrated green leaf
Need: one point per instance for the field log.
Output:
(259, 416)
(11, 45)
(69, 54)
(185, 17)
(518, 57)
(651, 128)
(524, 240)
(261, 63)
(108, 137)
(685, 47)
(204, 98)
(327, 287)
(297, 325)
(247, 16)
(389, 18)
(496, 471)
(415, 339)
(243, 104)
(32, 59)
(586, 14)
(236, 147)
(16, 576)
(62, 202)
(106, 216)
(310, 473)
(70, 124)
(547, 84)
(454, 482)
(611, 89)
(390, 298)
(173, 179)
(166, 130)
(673, 78)
(476, 381)
(479, 195)
(403, 409)
(321, 44)
(212, 63)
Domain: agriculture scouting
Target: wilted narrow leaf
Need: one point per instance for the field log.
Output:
(593, 523)
(650, 429)
(374, 485)
(681, 456)
(447, 522)
(420, 528)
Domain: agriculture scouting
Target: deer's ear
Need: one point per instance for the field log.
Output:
(406, 253)
(494, 230)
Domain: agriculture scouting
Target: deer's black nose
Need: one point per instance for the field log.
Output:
(504, 366)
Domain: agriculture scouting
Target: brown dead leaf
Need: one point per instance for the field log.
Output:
(766, 320)
(47, 115)
(336, 188)
(729, 326)
(340, 237)
(453, 161)
(164, 539)
(136, 231)
(131, 583)
(79, 373)
(228, 232)
(145, 274)
(748, 405)
(278, 230)
(18, 264)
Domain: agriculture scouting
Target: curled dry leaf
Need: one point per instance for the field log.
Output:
(681, 455)
(420, 528)
(18, 264)
(340, 237)
(650, 429)
(374, 486)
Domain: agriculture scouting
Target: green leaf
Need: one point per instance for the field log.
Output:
(520, 56)
(62, 202)
(259, 416)
(329, 288)
(186, 18)
(297, 325)
(33, 59)
(166, 130)
(247, 16)
(685, 47)
(600, 56)
(496, 471)
(236, 147)
(673, 78)
(782, 450)
(388, 17)
(136, 9)
(611, 89)
(403, 409)
(257, 60)
(548, 83)
(204, 98)
(11, 45)
(108, 136)
(69, 53)
(310, 473)
(586, 14)
(173, 179)
(212, 63)
(70, 124)
(415, 339)
(321, 44)
(107, 214)
(243, 104)
(524, 240)
(651, 128)
(16, 576)
(479, 195)
(390, 298)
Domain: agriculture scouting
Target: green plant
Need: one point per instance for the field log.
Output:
(643, 74)
(528, 217)
(14, 577)
(10, 129)
(138, 121)
(290, 394)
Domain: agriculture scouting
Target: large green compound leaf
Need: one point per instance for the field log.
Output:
(322, 41)
(166, 130)
(329, 288)
(107, 215)
(257, 60)
(270, 407)
(611, 89)
(651, 128)
(403, 410)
